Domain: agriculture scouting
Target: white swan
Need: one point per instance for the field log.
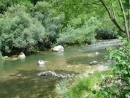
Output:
(41, 63)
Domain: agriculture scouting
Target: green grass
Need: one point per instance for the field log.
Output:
(82, 87)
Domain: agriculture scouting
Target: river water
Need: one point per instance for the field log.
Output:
(19, 78)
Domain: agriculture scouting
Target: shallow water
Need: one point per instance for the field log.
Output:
(19, 78)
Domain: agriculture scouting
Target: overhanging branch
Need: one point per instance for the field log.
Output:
(111, 17)
(125, 21)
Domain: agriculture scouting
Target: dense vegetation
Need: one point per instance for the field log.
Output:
(121, 73)
(32, 25)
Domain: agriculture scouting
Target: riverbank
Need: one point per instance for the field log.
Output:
(100, 44)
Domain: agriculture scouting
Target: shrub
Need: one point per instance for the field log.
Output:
(85, 34)
(2, 7)
(107, 32)
(50, 20)
(120, 83)
(19, 30)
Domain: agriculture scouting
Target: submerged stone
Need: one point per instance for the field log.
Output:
(51, 73)
(94, 63)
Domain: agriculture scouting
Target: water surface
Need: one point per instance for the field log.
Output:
(19, 78)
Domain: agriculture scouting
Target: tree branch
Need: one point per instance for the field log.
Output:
(113, 11)
(125, 22)
(111, 17)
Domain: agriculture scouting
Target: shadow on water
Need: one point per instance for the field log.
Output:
(26, 84)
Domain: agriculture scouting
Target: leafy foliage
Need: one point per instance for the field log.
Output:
(61, 22)
(81, 35)
(19, 29)
(2, 7)
(50, 20)
(107, 32)
(119, 85)
(122, 21)
(4, 4)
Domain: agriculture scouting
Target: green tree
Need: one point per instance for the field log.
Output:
(50, 20)
(18, 30)
(124, 10)
(84, 34)
(78, 9)
(4, 4)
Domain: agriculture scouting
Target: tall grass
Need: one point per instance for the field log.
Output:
(81, 87)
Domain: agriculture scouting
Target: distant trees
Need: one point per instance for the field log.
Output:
(41, 24)
(115, 15)
(85, 34)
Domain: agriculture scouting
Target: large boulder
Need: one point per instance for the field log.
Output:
(58, 48)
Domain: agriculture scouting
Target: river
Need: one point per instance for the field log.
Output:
(18, 79)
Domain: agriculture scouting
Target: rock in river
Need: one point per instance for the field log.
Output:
(51, 73)
(94, 63)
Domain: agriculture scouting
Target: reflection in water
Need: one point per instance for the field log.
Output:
(20, 77)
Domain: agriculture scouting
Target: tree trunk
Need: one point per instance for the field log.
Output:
(125, 21)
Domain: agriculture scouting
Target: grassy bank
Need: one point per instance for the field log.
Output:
(82, 87)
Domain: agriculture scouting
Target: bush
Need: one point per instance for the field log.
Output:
(50, 20)
(19, 30)
(2, 7)
(107, 32)
(119, 85)
(85, 34)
